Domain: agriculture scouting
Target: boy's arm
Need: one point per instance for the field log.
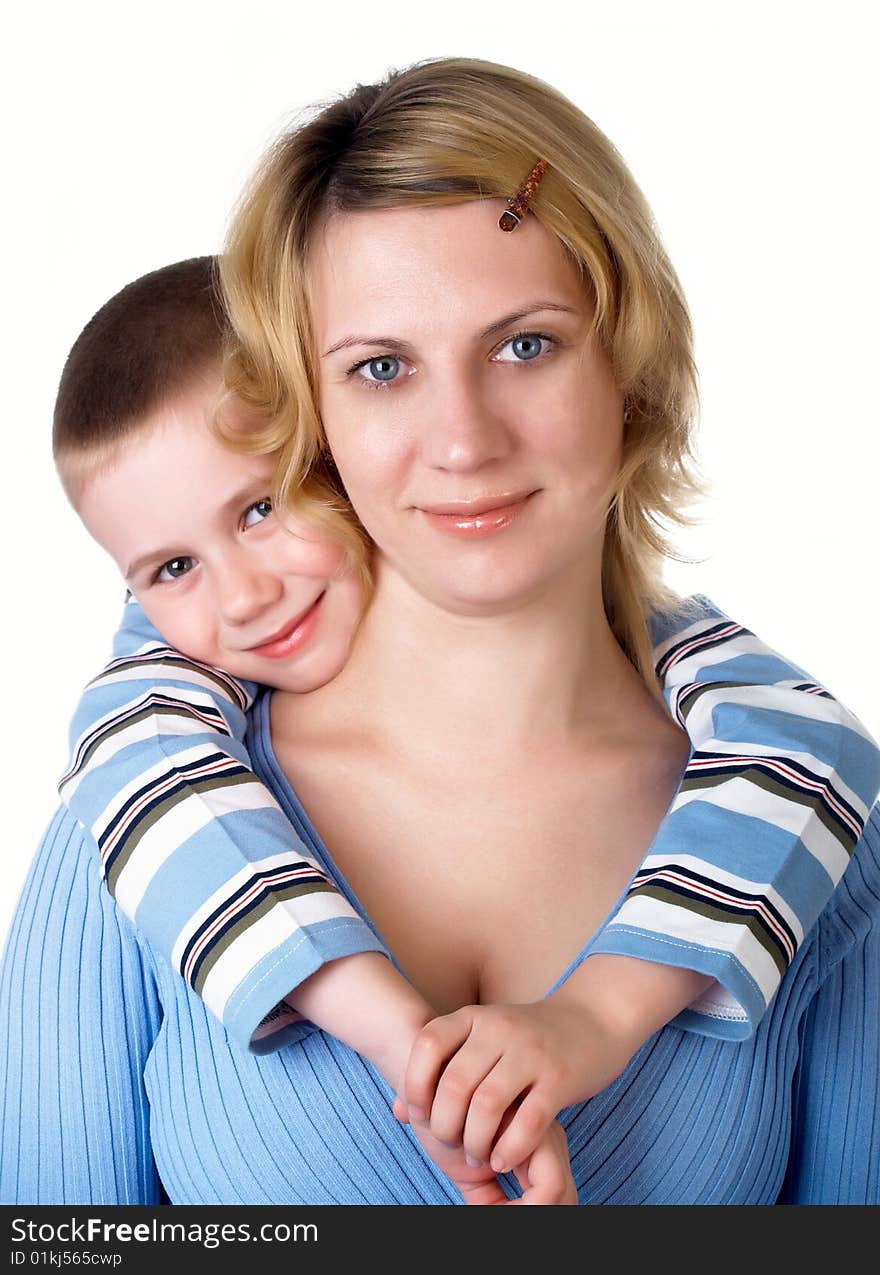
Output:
(774, 798)
(365, 1002)
(195, 850)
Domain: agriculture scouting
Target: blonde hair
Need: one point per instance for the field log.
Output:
(441, 132)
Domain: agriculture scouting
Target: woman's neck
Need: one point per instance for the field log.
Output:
(547, 670)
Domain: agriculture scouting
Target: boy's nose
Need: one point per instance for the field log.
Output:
(243, 592)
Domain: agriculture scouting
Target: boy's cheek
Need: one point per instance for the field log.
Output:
(180, 631)
(306, 555)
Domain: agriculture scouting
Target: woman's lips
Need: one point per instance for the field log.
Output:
(481, 518)
(293, 637)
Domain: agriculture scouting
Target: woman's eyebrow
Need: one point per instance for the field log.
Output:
(387, 342)
(394, 342)
(516, 316)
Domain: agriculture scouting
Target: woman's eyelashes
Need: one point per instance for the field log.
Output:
(385, 370)
(524, 347)
(380, 371)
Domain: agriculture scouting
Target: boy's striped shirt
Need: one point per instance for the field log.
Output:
(199, 854)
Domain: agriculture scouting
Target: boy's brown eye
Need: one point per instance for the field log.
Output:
(256, 512)
(174, 569)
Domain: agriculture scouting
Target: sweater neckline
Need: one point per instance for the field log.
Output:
(265, 759)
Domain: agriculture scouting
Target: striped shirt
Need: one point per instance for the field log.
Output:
(197, 852)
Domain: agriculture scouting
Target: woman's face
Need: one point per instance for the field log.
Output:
(475, 422)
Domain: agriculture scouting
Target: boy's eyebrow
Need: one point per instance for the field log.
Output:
(498, 326)
(253, 489)
(147, 559)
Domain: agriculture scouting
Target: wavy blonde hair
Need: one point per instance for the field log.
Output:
(440, 132)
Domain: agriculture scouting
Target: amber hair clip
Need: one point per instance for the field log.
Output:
(518, 206)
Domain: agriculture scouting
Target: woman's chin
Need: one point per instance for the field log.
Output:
(480, 594)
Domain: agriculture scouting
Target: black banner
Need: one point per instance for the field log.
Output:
(87, 1238)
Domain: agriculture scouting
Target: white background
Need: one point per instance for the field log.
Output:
(752, 128)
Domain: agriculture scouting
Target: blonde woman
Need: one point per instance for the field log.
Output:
(509, 415)
(507, 412)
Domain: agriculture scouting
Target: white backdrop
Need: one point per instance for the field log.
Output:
(752, 129)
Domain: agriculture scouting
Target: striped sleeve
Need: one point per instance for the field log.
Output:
(774, 798)
(193, 847)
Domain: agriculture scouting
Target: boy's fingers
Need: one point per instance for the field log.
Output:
(464, 1077)
(400, 1110)
(546, 1177)
(435, 1043)
(492, 1099)
(524, 1133)
(483, 1192)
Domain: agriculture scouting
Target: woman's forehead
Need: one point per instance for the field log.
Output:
(425, 264)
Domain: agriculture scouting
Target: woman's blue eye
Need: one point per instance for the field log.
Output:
(382, 369)
(257, 512)
(522, 348)
(174, 569)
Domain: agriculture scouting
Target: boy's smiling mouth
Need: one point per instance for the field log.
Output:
(294, 634)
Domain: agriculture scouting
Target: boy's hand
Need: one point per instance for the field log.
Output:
(544, 1176)
(469, 1069)
(494, 1076)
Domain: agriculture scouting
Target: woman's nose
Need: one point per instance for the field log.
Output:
(244, 590)
(465, 427)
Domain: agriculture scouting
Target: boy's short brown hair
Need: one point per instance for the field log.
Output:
(146, 343)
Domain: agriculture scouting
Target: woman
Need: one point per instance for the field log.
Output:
(481, 440)
(484, 406)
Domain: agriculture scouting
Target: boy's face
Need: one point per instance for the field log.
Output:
(221, 576)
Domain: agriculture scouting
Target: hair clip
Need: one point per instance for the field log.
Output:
(519, 204)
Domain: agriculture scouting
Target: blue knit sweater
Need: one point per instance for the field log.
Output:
(117, 1085)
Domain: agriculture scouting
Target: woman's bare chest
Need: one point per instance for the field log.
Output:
(484, 882)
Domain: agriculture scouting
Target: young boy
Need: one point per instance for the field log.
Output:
(199, 854)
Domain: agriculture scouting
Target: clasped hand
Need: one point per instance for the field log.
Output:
(483, 1087)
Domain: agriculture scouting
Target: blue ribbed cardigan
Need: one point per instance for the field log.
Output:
(118, 1087)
